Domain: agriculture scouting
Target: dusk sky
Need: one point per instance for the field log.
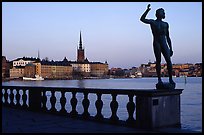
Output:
(111, 31)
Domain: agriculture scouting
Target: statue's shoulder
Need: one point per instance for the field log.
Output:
(165, 24)
(153, 21)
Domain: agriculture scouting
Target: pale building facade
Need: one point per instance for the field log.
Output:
(81, 67)
(52, 70)
(38, 68)
(23, 61)
(16, 72)
(99, 69)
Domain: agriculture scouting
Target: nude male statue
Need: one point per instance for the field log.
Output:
(160, 31)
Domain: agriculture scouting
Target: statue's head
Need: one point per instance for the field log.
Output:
(160, 14)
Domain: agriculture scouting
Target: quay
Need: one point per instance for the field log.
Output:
(156, 111)
(24, 121)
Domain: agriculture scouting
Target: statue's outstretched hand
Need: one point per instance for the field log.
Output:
(148, 7)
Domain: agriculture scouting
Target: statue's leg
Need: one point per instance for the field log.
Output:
(166, 53)
(157, 53)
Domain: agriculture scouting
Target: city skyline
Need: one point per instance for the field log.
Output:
(111, 31)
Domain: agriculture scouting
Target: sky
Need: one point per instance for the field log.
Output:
(111, 31)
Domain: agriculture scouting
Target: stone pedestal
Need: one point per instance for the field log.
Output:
(159, 109)
(165, 85)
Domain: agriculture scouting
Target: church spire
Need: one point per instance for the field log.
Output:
(80, 42)
(80, 51)
(38, 54)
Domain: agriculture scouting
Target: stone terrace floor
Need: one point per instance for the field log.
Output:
(23, 121)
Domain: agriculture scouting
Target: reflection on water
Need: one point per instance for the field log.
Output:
(191, 97)
(81, 83)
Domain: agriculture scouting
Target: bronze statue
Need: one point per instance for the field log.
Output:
(160, 31)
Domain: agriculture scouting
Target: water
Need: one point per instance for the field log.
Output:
(191, 98)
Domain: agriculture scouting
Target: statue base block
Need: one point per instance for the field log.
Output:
(165, 85)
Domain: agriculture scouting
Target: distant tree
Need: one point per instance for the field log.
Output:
(46, 59)
(119, 72)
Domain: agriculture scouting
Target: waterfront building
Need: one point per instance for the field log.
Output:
(176, 66)
(56, 70)
(99, 69)
(5, 67)
(38, 68)
(17, 72)
(81, 68)
(18, 67)
(186, 65)
(23, 61)
(30, 70)
(183, 72)
(148, 70)
(176, 69)
(198, 69)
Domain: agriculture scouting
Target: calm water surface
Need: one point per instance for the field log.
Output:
(191, 98)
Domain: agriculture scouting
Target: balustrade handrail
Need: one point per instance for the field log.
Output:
(144, 92)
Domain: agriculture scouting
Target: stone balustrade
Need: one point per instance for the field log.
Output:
(153, 108)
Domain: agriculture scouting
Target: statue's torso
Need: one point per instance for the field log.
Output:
(159, 29)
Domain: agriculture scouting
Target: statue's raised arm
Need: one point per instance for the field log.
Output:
(143, 17)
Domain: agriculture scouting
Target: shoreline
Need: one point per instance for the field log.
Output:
(88, 78)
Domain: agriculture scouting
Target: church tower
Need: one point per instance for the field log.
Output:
(80, 51)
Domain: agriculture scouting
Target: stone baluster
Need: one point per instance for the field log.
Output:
(73, 101)
(6, 97)
(53, 101)
(18, 98)
(130, 108)
(24, 98)
(99, 106)
(63, 102)
(12, 97)
(85, 104)
(114, 108)
(2, 95)
(44, 101)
